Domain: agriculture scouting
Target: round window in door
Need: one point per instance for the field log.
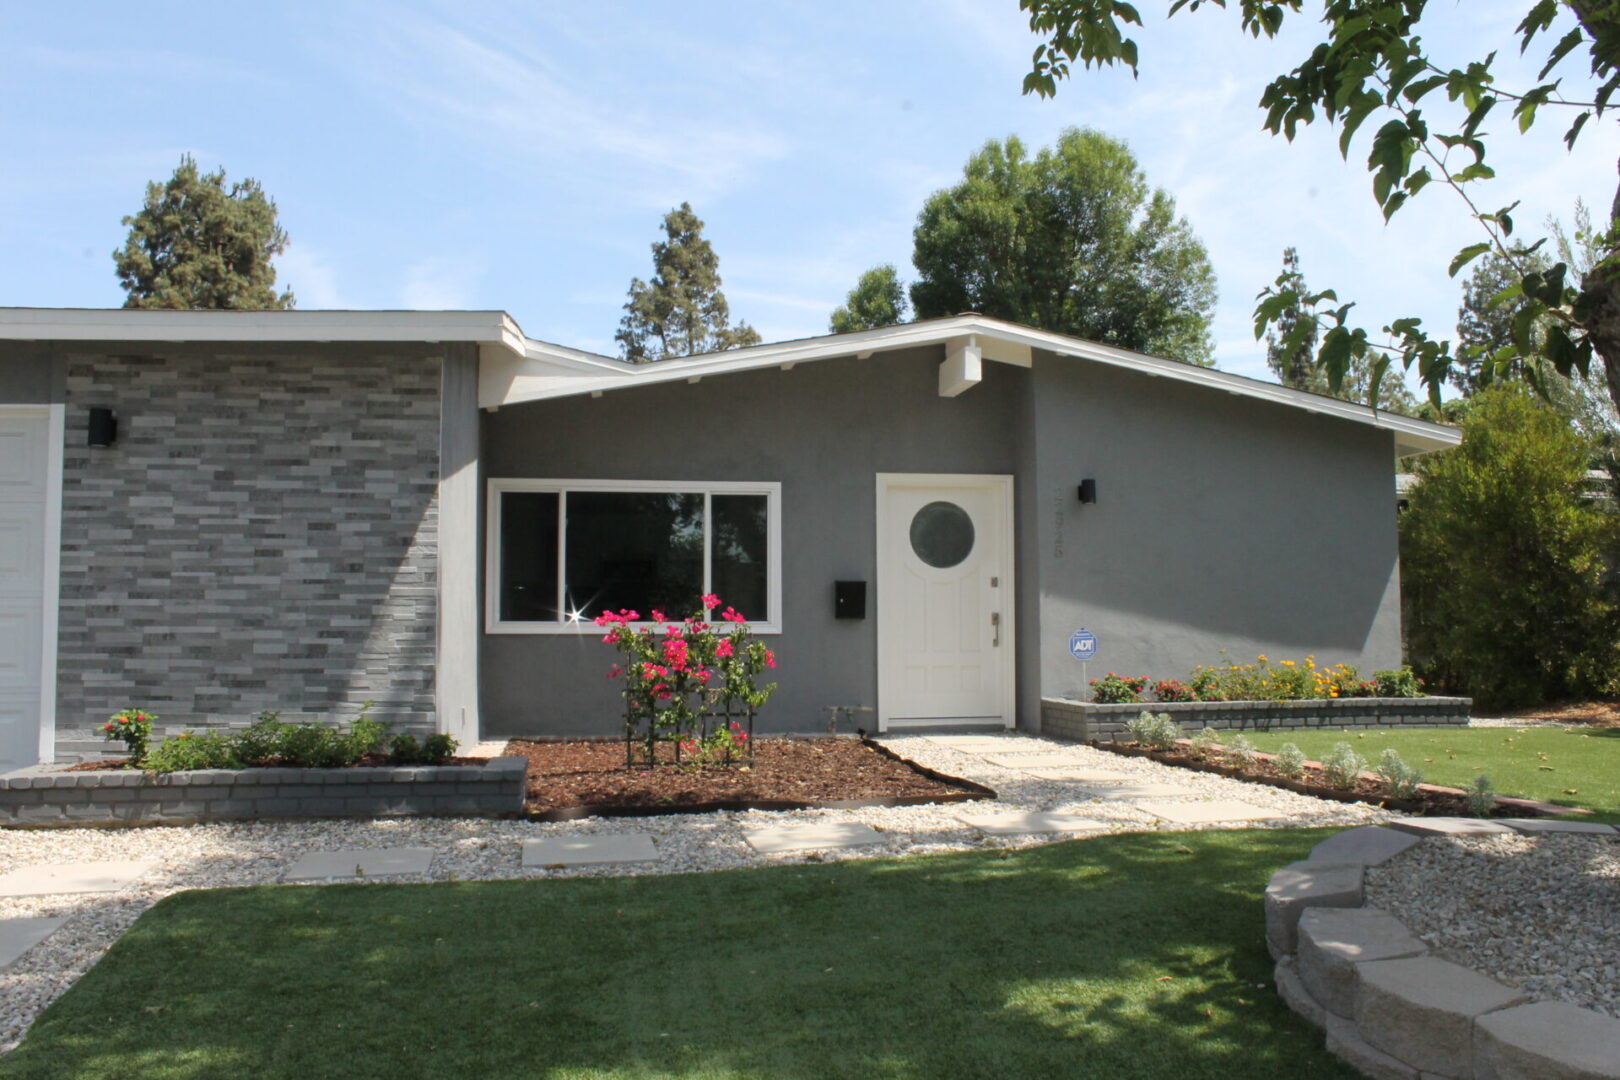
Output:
(942, 534)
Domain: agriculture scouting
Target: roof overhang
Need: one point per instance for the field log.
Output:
(514, 368)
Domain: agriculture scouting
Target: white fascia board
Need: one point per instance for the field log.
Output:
(119, 324)
(1000, 341)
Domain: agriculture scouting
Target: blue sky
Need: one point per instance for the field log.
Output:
(521, 155)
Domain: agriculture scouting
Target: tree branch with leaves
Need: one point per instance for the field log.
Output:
(1373, 64)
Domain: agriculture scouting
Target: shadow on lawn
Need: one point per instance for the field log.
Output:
(1127, 956)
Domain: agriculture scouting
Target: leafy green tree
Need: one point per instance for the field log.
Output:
(878, 299)
(1373, 63)
(197, 243)
(1291, 355)
(1071, 240)
(1502, 561)
(681, 311)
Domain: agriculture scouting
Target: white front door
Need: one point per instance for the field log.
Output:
(24, 454)
(944, 600)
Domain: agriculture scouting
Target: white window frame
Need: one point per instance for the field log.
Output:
(498, 486)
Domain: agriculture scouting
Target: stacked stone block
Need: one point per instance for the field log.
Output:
(261, 535)
(1083, 721)
(1391, 1008)
(40, 796)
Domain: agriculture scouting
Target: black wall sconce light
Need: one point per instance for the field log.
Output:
(1088, 491)
(103, 427)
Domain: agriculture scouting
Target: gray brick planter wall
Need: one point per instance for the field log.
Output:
(1081, 720)
(39, 796)
(262, 535)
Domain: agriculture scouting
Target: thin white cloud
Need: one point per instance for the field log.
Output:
(531, 107)
(439, 285)
(310, 275)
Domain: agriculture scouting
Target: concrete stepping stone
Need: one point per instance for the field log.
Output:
(589, 850)
(1422, 1011)
(817, 836)
(1079, 774)
(1370, 845)
(1042, 759)
(976, 743)
(1200, 813)
(1303, 885)
(1333, 941)
(1137, 789)
(1550, 1040)
(353, 863)
(1531, 826)
(1016, 823)
(17, 936)
(1449, 826)
(50, 879)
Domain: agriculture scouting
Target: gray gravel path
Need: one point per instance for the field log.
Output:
(1538, 912)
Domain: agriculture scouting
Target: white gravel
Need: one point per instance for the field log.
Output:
(1538, 912)
(233, 855)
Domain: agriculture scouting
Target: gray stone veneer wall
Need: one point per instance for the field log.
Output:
(262, 535)
(1085, 720)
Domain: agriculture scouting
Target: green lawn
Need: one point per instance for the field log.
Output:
(1130, 956)
(1571, 766)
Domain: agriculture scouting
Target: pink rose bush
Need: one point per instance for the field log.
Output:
(679, 675)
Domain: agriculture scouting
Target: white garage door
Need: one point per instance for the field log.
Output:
(24, 446)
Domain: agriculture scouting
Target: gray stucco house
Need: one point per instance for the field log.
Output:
(308, 510)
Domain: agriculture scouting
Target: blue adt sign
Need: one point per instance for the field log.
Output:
(1083, 645)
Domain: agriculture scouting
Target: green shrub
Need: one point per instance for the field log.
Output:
(1481, 797)
(1400, 779)
(365, 734)
(1402, 682)
(133, 728)
(1154, 732)
(313, 746)
(1502, 561)
(1290, 761)
(1205, 742)
(1343, 766)
(260, 741)
(1240, 751)
(1114, 689)
(193, 750)
(405, 749)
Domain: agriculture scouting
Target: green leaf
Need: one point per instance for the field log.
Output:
(1466, 256)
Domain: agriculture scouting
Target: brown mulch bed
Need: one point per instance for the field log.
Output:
(1604, 714)
(568, 779)
(373, 761)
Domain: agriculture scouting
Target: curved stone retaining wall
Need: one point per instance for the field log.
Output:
(1390, 1008)
(1085, 720)
(45, 796)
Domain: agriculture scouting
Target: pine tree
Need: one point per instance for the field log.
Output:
(1291, 355)
(681, 311)
(197, 243)
(1291, 344)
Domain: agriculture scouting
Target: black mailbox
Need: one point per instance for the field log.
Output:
(849, 599)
